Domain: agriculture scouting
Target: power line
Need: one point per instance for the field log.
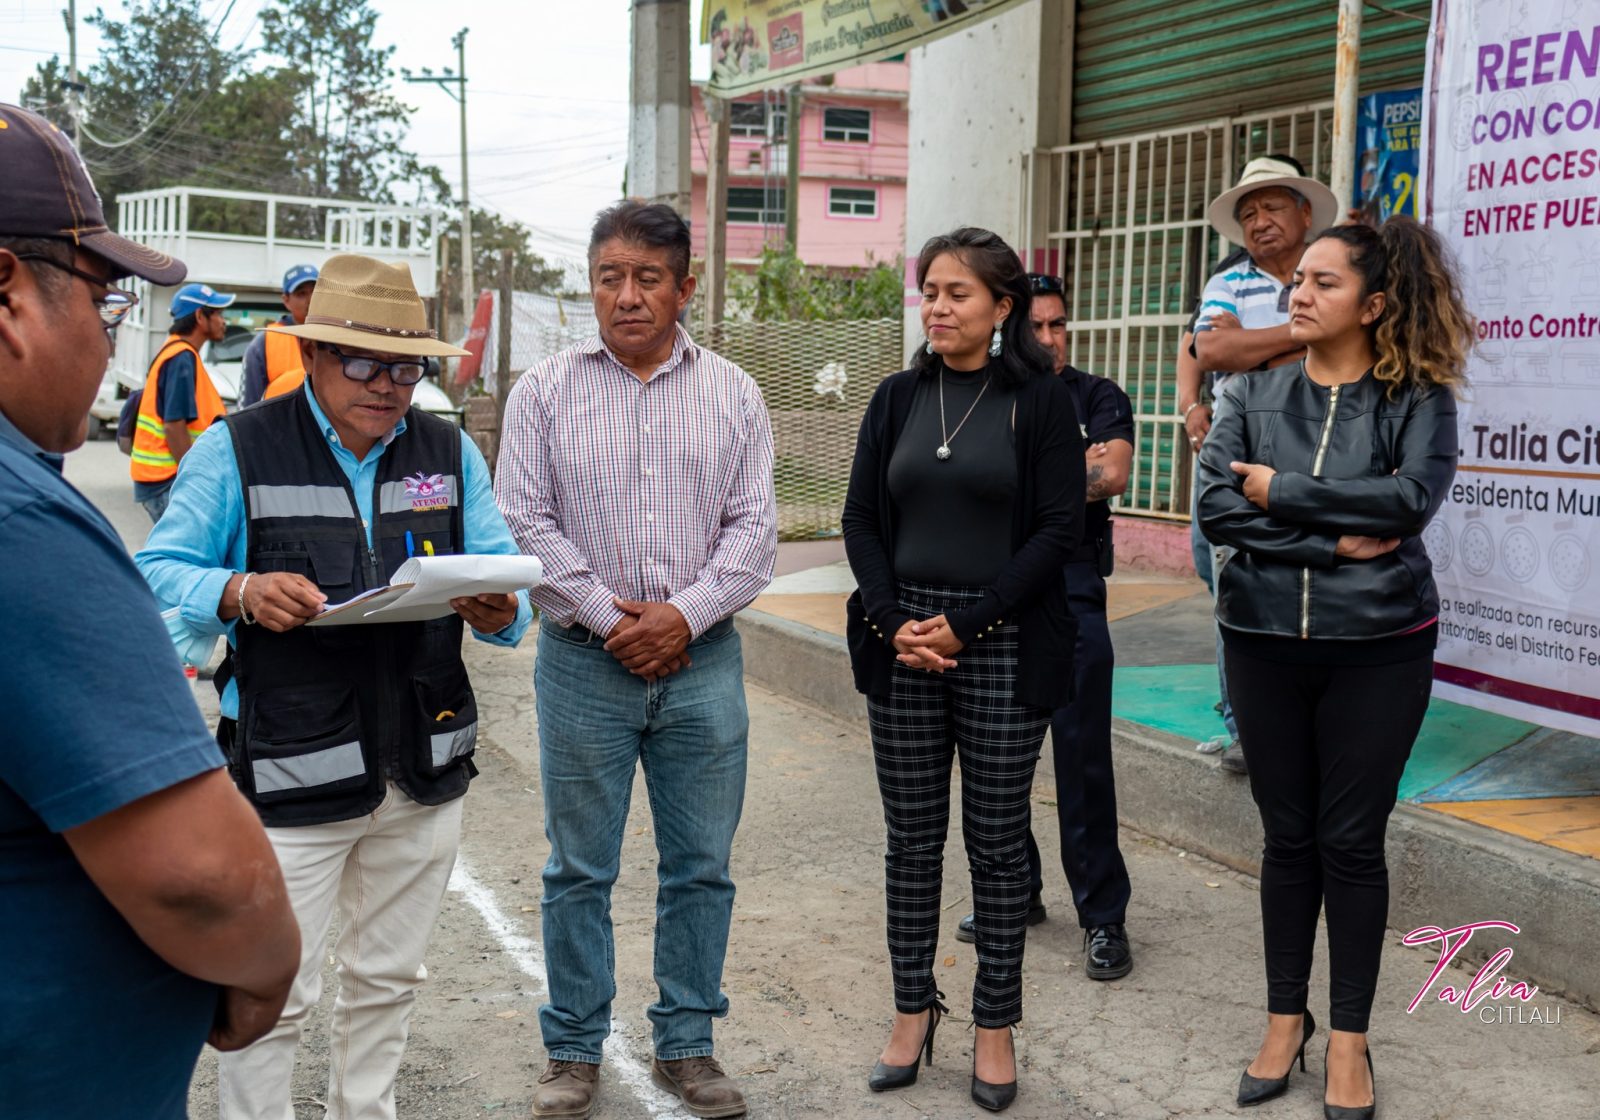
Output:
(193, 72)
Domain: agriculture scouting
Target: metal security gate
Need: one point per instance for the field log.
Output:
(1123, 220)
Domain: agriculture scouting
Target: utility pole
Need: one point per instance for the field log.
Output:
(717, 113)
(74, 87)
(1346, 89)
(791, 190)
(660, 120)
(458, 80)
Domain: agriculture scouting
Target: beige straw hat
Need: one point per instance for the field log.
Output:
(375, 306)
(1265, 172)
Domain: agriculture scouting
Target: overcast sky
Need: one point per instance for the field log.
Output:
(548, 93)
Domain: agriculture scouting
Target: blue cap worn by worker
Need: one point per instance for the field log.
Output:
(192, 297)
(299, 274)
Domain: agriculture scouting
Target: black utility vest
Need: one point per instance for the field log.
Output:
(329, 714)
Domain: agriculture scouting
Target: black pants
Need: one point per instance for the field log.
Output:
(1326, 746)
(1086, 790)
(927, 720)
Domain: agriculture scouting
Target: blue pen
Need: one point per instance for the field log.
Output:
(410, 548)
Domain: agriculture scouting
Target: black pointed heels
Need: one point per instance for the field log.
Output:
(886, 1077)
(1254, 1090)
(1349, 1112)
(988, 1094)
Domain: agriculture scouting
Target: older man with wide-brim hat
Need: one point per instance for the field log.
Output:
(1242, 324)
(1272, 212)
(355, 742)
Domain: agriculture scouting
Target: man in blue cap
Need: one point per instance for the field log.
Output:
(273, 354)
(179, 399)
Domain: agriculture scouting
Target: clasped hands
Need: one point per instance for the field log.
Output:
(929, 644)
(1257, 484)
(651, 640)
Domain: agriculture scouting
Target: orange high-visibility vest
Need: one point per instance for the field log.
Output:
(288, 383)
(283, 358)
(153, 460)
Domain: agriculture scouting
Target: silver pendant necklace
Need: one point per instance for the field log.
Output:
(943, 451)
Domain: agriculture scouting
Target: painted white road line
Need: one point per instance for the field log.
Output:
(528, 956)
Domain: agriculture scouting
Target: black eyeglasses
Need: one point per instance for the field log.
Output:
(114, 306)
(1045, 285)
(407, 371)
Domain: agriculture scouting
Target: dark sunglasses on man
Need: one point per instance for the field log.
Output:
(407, 371)
(1042, 285)
(113, 306)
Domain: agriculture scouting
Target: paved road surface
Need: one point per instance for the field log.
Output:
(807, 969)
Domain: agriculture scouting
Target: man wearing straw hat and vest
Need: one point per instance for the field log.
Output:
(1243, 322)
(354, 743)
(272, 364)
(179, 400)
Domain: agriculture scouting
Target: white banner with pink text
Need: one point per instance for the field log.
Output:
(1511, 178)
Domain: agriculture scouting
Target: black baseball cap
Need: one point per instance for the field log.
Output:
(45, 191)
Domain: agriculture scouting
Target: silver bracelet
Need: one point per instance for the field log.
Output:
(1193, 405)
(244, 615)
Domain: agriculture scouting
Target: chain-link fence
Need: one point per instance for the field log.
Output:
(817, 378)
(541, 326)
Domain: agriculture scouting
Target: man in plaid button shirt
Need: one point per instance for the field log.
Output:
(637, 467)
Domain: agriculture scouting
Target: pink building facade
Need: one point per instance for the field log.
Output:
(853, 154)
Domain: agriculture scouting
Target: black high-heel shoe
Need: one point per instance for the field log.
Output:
(987, 1094)
(1346, 1112)
(885, 1077)
(1254, 1090)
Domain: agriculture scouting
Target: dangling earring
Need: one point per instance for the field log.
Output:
(995, 345)
(930, 347)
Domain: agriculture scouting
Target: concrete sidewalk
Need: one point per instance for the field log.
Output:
(1498, 818)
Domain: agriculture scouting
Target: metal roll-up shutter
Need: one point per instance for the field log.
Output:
(1143, 65)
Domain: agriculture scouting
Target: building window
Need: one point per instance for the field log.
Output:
(852, 202)
(761, 206)
(748, 120)
(847, 126)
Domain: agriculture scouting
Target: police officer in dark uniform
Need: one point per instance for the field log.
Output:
(1080, 733)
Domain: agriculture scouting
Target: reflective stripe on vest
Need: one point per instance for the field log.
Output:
(299, 501)
(153, 460)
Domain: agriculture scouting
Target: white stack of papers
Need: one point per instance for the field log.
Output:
(423, 586)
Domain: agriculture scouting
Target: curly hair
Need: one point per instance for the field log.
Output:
(1425, 332)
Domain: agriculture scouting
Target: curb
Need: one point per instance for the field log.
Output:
(1442, 871)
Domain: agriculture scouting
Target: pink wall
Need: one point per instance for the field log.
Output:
(879, 165)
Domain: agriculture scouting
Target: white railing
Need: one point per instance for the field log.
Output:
(1122, 221)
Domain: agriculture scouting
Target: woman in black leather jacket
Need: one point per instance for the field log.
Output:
(1322, 475)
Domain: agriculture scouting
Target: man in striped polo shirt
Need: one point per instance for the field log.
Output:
(1243, 321)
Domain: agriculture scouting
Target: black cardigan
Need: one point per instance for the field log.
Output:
(1046, 524)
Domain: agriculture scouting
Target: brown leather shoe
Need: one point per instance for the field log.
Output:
(566, 1091)
(702, 1086)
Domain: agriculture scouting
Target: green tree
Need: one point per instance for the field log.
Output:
(348, 132)
(492, 233)
(45, 92)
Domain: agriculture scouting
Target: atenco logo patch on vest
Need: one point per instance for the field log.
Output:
(428, 491)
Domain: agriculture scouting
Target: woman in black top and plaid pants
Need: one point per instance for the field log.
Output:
(965, 502)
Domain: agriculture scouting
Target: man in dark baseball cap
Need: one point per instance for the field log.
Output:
(145, 911)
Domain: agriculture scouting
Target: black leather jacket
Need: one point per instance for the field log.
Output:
(1350, 460)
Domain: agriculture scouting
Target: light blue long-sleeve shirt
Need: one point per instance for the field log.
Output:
(199, 543)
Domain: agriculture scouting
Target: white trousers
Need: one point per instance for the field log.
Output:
(387, 873)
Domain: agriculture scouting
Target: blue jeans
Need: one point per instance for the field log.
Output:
(690, 731)
(1205, 563)
(156, 504)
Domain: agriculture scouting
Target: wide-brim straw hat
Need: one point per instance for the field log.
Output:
(365, 303)
(1265, 172)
